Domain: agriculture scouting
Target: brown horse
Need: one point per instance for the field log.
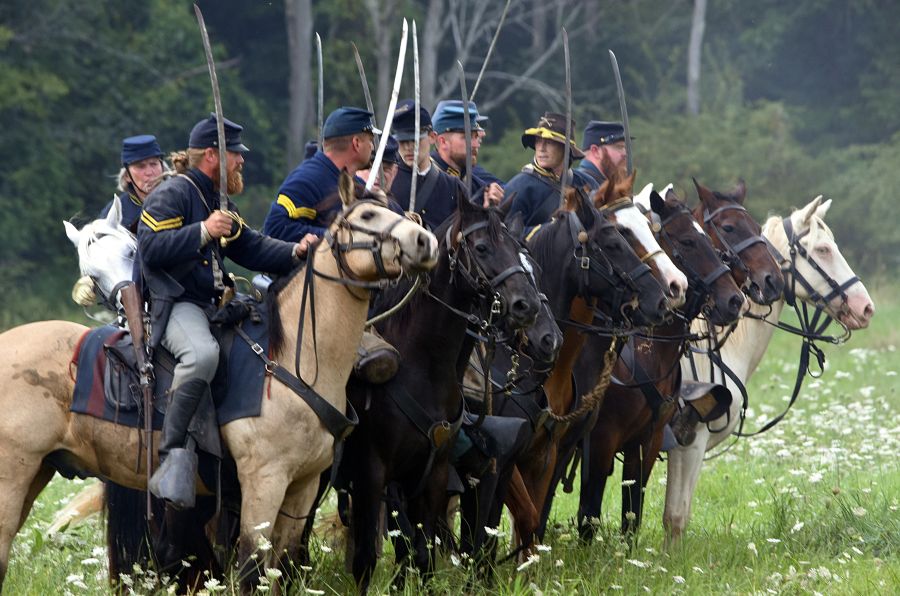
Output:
(640, 402)
(279, 455)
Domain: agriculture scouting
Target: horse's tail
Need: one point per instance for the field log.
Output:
(127, 530)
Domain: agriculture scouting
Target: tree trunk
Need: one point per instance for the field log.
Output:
(430, 43)
(695, 46)
(298, 18)
(381, 16)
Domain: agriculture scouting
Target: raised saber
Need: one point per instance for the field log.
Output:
(413, 182)
(567, 150)
(389, 117)
(490, 50)
(220, 120)
(368, 96)
(321, 98)
(467, 124)
(621, 91)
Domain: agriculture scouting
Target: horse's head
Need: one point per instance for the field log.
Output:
(106, 250)
(604, 265)
(614, 198)
(484, 252)
(817, 272)
(735, 233)
(543, 338)
(372, 242)
(711, 287)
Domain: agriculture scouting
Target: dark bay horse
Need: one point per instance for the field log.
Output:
(586, 261)
(642, 398)
(408, 426)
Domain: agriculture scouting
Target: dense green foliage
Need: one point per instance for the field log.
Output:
(797, 100)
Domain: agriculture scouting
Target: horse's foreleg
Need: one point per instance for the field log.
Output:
(293, 517)
(368, 488)
(424, 512)
(632, 488)
(596, 467)
(522, 509)
(21, 479)
(263, 491)
(683, 471)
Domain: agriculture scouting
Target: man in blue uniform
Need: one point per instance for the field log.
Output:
(390, 160)
(602, 139)
(307, 201)
(436, 191)
(184, 269)
(537, 186)
(450, 146)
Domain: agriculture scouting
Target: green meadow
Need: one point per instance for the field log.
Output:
(812, 506)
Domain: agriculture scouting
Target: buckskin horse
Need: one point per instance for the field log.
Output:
(408, 425)
(585, 260)
(279, 455)
(815, 274)
(641, 399)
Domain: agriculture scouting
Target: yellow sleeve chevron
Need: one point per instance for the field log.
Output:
(158, 226)
(533, 232)
(293, 211)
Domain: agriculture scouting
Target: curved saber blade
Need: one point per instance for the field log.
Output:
(467, 122)
(413, 183)
(490, 50)
(567, 150)
(363, 79)
(321, 98)
(220, 120)
(624, 110)
(389, 117)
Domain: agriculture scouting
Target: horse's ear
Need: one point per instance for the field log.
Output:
(805, 214)
(626, 185)
(114, 217)
(599, 196)
(642, 199)
(823, 208)
(516, 225)
(704, 193)
(571, 200)
(657, 203)
(740, 192)
(670, 194)
(346, 188)
(72, 232)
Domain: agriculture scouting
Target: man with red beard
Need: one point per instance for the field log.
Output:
(184, 270)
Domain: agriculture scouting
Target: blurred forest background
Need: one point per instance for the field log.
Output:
(796, 98)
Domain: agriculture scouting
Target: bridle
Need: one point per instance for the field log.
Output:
(732, 253)
(625, 203)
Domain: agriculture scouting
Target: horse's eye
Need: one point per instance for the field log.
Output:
(823, 250)
(688, 242)
(481, 248)
(728, 228)
(368, 215)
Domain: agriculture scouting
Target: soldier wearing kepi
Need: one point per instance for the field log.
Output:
(436, 190)
(390, 161)
(537, 186)
(602, 140)
(307, 200)
(184, 269)
(449, 155)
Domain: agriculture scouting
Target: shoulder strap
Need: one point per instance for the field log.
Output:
(428, 184)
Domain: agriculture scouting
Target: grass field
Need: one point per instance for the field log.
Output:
(812, 506)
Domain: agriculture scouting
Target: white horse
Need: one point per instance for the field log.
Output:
(106, 250)
(743, 351)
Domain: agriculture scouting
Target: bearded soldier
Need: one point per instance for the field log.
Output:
(184, 269)
(537, 186)
(602, 141)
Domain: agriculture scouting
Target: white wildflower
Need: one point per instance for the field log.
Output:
(312, 591)
(262, 526)
(638, 563)
(773, 540)
(867, 391)
(454, 560)
(559, 562)
(325, 548)
(752, 504)
(394, 533)
(859, 511)
(531, 560)
(797, 527)
(213, 585)
(262, 543)
(815, 477)
(491, 531)
(544, 548)
(698, 570)
(615, 587)
(273, 573)
(752, 547)
(677, 579)
(628, 482)
(90, 561)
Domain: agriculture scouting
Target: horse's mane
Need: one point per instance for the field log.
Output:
(276, 331)
(92, 232)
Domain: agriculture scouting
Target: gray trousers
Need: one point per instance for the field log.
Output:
(192, 344)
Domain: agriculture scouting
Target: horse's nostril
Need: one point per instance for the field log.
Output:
(869, 311)
(674, 289)
(735, 303)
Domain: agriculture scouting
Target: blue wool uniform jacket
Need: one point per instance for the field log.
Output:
(590, 171)
(169, 238)
(131, 209)
(536, 195)
(477, 183)
(441, 200)
(487, 176)
(305, 204)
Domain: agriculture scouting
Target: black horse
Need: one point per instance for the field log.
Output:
(408, 425)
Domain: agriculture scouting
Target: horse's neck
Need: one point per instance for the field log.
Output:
(665, 352)
(745, 347)
(559, 384)
(326, 360)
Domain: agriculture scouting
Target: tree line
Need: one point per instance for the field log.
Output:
(797, 99)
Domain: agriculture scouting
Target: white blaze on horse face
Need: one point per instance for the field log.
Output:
(672, 278)
(106, 254)
(819, 243)
(699, 228)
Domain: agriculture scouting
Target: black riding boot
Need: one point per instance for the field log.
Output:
(175, 478)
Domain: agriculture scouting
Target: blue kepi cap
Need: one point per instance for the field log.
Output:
(139, 147)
